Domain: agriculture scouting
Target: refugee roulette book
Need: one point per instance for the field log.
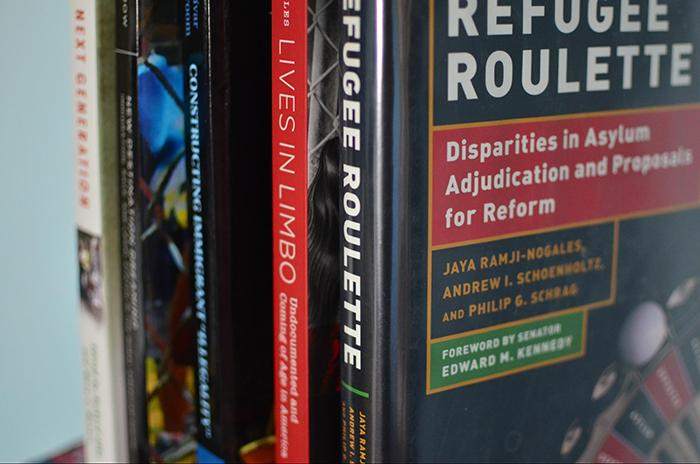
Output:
(519, 213)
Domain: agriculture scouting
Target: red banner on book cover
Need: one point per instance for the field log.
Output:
(501, 178)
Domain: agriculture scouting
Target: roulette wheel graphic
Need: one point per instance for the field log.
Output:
(645, 406)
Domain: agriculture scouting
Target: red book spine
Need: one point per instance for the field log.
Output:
(290, 218)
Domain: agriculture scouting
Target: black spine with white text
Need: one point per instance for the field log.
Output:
(227, 140)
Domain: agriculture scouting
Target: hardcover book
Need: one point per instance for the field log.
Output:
(97, 216)
(159, 324)
(520, 208)
(228, 166)
(305, 190)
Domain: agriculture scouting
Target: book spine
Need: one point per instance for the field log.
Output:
(127, 52)
(200, 158)
(99, 310)
(289, 222)
(369, 230)
(241, 137)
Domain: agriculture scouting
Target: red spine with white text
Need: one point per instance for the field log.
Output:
(305, 229)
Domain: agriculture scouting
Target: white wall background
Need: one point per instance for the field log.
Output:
(40, 386)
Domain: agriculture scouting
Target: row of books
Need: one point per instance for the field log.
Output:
(174, 194)
(339, 230)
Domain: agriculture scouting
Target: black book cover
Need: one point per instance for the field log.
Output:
(520, 209)
(134, 343)
(228, 131)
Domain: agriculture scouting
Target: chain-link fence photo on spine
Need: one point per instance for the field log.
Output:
(323, 157)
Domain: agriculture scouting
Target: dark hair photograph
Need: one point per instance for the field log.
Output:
(323, 238)
(323, 230)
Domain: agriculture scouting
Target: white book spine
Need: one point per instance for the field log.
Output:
(100, 318)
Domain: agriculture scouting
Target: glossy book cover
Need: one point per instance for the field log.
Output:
(228, 139)
(520, 209)
(159, 325)
(305, 153)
